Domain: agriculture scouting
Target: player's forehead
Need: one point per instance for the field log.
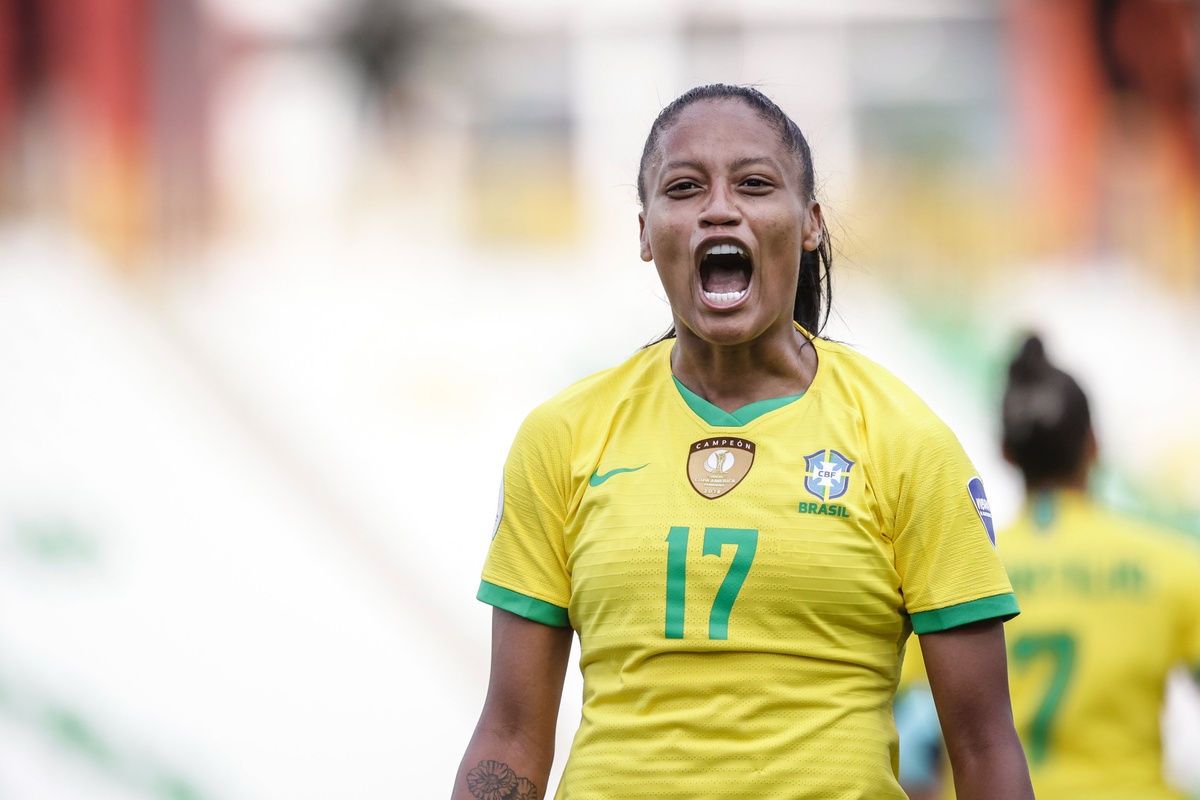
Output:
(717, 131)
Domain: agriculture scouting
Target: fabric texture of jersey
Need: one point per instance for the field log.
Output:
(745, 641)
(1110, 607)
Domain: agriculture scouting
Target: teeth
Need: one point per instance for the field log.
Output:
(725, 250)
(725, 297)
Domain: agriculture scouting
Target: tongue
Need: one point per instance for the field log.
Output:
(722, 279)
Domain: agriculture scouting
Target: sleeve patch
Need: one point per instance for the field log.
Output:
(982, 507)
(499, 510)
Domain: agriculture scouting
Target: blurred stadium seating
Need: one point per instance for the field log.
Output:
(278, 281)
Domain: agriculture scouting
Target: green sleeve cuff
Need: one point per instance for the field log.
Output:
(1000, 606)
(523, 606)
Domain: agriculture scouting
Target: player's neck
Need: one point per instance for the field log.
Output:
(734, 377)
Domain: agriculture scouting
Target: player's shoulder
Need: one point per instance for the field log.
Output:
(1169, 552)
(871, 389)
(1171, 545)
(1143, 535)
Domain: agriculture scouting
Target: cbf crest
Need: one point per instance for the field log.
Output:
(715, 466)
(827, 474)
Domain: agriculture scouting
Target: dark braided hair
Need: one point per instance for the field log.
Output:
(1045, 416)
(814, 291)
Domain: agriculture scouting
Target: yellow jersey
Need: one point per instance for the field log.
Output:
(742, 584)
(1110, 607)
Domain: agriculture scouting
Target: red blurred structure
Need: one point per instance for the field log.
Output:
(106, 111)
(88, 127)
(1107, 101)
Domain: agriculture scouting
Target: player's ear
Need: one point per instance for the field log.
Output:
(813, 227)
(644, 238)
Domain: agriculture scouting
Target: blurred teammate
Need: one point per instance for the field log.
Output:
(1110, 606)
(743, 522)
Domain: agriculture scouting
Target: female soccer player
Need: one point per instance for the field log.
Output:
(1110, 605)
(742, 523)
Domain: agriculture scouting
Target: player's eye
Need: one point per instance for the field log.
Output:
(682, 187)
(757, 183)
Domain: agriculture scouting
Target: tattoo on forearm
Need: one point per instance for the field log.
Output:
(495, 780)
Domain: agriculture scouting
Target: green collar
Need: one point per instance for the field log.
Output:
(1045, 510)
(725, 419)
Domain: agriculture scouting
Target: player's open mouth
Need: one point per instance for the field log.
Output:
(725, 274)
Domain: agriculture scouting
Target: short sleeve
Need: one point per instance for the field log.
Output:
(526, 567)
(942, 534)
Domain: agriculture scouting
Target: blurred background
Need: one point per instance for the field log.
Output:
(279, 280)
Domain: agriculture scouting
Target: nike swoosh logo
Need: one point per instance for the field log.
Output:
(598, 479)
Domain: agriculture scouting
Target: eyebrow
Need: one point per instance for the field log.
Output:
(741, 163)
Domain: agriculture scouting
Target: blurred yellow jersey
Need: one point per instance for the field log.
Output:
(742, 584)
(1110, 607)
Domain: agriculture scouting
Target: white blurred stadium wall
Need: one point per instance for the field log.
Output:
(280, 278)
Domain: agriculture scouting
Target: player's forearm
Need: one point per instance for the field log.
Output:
(513, 745)
(968, 675)
(502, 766)
(998, 773)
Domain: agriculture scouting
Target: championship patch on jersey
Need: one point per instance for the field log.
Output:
(827, 474)
(982, 506)
(716, 466)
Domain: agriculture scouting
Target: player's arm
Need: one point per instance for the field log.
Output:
(513, 743)
(968, 674)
